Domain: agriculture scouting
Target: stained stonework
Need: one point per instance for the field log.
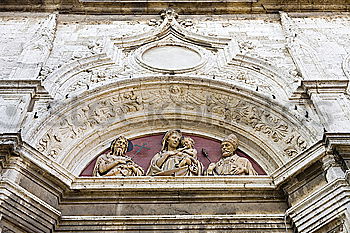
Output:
(71, 83)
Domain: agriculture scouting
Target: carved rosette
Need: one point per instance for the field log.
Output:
(178, 99)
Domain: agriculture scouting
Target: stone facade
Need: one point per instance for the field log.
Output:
(70, 83)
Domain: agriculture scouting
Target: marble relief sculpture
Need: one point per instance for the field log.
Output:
(230, 163)
(176, 158)
(116, 162)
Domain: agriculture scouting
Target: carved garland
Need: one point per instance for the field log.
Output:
(231, 109)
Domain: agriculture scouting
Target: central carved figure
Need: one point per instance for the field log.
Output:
(176, 158)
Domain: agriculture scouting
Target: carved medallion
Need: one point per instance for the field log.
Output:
(170, 58)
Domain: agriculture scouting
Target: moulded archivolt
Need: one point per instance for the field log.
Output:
(132, 107)
(170, 57)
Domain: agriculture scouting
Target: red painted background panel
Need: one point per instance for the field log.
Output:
(145, 148)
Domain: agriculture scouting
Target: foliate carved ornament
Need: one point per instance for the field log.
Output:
(91, 77)
(259, 119)
(79, 121)
(86, 118)
(217, 55)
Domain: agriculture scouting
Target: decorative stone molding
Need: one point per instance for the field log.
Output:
(186, 58)
(322, 207)
(297, 164)
(10, 140)
(261, 223)
(213, 57)
(32, 213)
(168, 45)
(309, 87)
(61, 78)
(164, 101)
(339, 142)
(174, 183)
(132, 7)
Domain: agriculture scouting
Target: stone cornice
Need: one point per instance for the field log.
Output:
(33, 87)
(187, 7)
(32, 212)
(10, 139)
(235, 222)
(310, 87)
(174, 183)
(325, 205)
(299, 163)
(51, 167)
(339, 142)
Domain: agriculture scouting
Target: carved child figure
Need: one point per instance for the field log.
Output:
(188, 151)
(175, 159)
(116, 162)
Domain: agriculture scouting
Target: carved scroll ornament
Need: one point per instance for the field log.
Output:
(78, 122)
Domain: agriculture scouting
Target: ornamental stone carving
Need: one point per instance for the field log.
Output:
(116, 163)
(176, 158)
(156, 103)
(231, 163)
(227, 107)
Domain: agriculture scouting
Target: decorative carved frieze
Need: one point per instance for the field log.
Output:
(176, 98)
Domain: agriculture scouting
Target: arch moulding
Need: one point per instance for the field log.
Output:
(78, 129)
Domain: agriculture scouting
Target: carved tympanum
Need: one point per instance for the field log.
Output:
(116, 163)
(231, 163)
(176, 158)
(178, 97)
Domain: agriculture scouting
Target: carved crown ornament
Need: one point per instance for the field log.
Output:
(133, 109)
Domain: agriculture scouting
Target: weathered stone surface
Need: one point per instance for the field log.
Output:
(70, 83)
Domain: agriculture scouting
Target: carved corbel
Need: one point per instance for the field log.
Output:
(9, 143)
